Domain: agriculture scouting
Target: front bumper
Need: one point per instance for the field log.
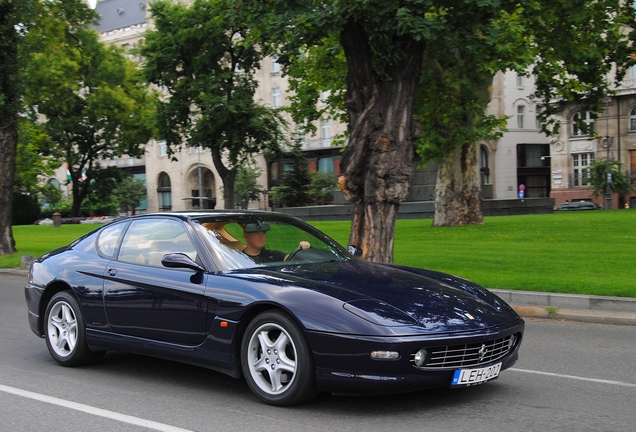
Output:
(344, 365)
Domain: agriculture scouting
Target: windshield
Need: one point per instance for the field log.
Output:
(246, 241)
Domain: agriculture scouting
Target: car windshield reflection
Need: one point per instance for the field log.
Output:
(247, 242)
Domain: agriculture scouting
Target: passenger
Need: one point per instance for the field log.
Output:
(255, 237)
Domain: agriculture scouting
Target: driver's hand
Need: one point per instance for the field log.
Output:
(304, 244)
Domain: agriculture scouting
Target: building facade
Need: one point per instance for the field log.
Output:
(523, 163)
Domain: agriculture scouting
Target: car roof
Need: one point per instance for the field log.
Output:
(189, 214)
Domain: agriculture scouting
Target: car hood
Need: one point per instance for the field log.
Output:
(396, 296)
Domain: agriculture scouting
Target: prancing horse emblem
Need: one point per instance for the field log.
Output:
(482, 352)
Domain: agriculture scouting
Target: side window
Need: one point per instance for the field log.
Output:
(107, 241)
(147, 241)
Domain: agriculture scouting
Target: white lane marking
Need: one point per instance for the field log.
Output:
(596, 380)
(92, 410)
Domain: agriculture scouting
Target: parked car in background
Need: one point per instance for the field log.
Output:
(307, 316)
(577, 205)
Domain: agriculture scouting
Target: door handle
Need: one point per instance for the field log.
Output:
(112, 272)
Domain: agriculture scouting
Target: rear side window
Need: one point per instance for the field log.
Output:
(148, 240)
(107, 241)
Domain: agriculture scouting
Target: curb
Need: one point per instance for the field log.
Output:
(544, 305)
(571, 307)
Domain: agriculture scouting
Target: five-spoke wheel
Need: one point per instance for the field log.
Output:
(276, 360)
(66, 333)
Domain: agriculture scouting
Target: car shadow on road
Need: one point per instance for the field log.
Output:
(193, 381)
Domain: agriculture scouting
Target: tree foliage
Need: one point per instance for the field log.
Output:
(130, 192)
(295, 190)
(94, 100)
(597, 180)
(31, 167)
(446, 54)
(204, 62)
(246, 187)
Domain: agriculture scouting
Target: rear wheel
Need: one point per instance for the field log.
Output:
(276, 360)
(65, 332)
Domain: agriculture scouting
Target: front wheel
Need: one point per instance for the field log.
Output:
(276, 360)
(65, 332)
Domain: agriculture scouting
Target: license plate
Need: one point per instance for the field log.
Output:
(468, 377)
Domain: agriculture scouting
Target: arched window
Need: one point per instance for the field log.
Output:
(632, 120)
(484, 170)
(164, 191)
(54, 182)
(587, 117)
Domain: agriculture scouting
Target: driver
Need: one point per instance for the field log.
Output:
(255, 236)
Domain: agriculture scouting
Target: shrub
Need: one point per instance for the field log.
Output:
(26, 209)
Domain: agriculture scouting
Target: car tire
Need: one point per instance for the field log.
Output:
(65, 332)
(277, 361)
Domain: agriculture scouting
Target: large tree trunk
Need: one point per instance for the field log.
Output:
(9, 107)
(8, 149)
(458, 191)
(228, 176)
(377, 165)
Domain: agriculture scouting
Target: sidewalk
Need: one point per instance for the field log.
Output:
(531, 304)
(573, 307)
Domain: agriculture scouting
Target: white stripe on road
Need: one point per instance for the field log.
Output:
(596, 380)
(92, 410)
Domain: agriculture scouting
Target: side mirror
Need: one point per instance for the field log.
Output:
(356, 251)
(180, 260)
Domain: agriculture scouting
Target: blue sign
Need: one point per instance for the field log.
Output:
(521, 194)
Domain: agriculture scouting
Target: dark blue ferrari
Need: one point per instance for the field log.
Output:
(268, 297)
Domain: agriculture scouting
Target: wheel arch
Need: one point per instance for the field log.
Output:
(249, 316)
(52, 289)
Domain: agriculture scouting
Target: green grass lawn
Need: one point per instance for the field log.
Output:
(590, 252)
(571, 252)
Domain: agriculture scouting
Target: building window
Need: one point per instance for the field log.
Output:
(520, 112)
(587, 118)
(326, 165)
(519, 80)
(276, 97)
(273, 171)
(633, 70)
(275, 65)
(538, 117)
(632, 120)
(163, 148)
(581, 168)
(326, 132)
(484, 170)
(164, 191)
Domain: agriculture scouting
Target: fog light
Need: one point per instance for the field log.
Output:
(385, 355)
(420, 357)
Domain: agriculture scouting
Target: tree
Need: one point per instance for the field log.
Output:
(419, 71)
(205, 62)
(12, 14)
(94, 100)
(620, 184)
(322, 187)
(246, 187)
(295, 189)
(31, 167)
(130, 192)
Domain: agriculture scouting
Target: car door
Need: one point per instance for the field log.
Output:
(144, 299)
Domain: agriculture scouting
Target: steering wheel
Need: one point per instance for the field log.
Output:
(294, 253)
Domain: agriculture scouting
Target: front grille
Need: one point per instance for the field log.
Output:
(475, 354)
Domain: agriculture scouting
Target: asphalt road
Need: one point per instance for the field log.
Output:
(570, 377)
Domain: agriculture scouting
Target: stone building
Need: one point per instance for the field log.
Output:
(523, 160)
